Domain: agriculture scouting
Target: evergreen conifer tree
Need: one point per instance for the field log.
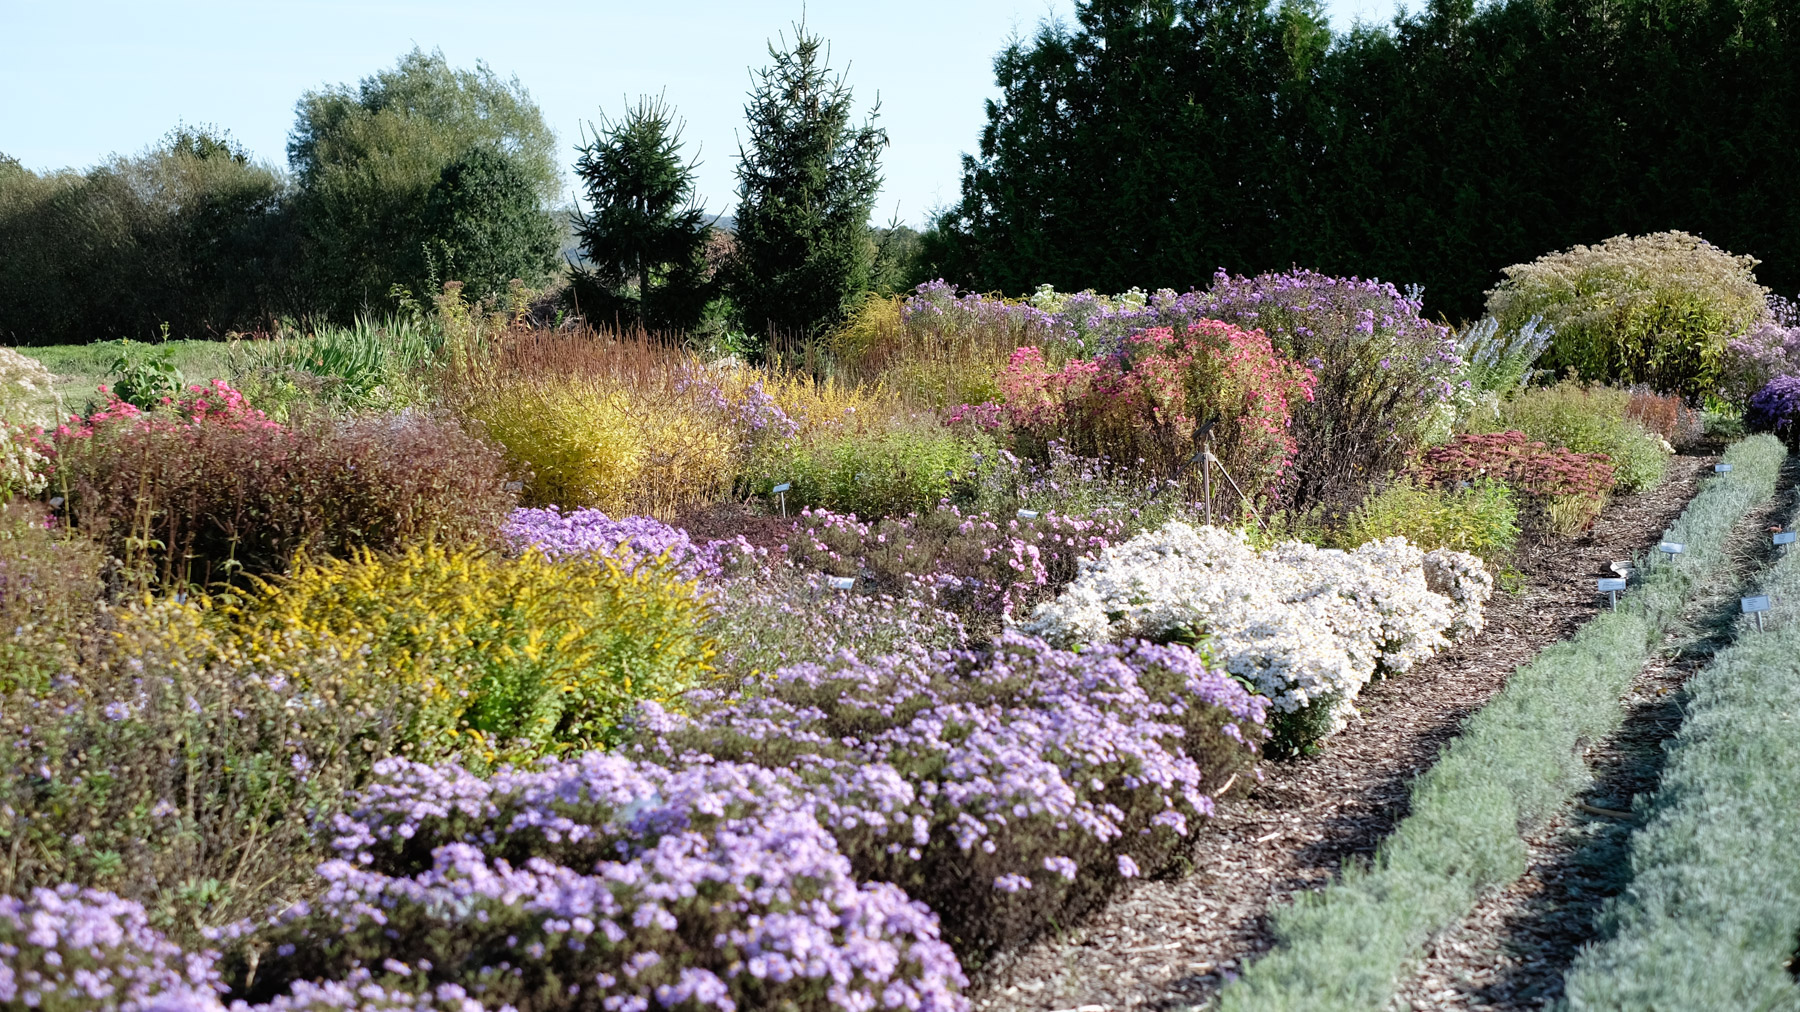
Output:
(644, 238)
(807, 180)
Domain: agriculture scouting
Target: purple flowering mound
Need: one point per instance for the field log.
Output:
(1776, 408)
(1007, 790)
(72, 948)
(591, 532)
(603, 882)
(1382, 369)
(982, 568)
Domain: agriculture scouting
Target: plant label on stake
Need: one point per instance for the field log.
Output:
(1755, 606)
(782, 491)
(1611, 588)
(1028, 514)
(841, 582)
(1783, 539)
(1671, 549)
(1721, 468)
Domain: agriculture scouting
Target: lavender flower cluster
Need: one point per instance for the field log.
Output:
(788, 614)
(977, 564)
(1002, 788)
(72, 948)
(611, 883)
(632, 539)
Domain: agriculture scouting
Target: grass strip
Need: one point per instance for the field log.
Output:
(1710, 918)
(1514, 763)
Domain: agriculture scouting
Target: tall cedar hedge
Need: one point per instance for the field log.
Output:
(1153, 143)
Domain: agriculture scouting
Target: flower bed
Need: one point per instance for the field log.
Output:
(1006, 789)
(1308, 627)
(608, 882)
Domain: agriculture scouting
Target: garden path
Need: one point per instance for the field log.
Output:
(1173, 940)
(1511, 952)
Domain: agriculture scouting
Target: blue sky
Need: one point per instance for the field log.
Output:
(81, 81)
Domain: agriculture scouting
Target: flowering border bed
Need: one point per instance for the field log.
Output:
(1515, 762)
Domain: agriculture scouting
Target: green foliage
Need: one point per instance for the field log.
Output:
(487, 226)
(1591, 420)
(177, 770)
(516, 657)
(1710, 919)
(1655, 309)
(644, 240)
(369, 159)
(807, 181)
(1154, 143)
(1515, 762)
(190, 233)
(370, 364)
(53, 586)
(145, 375)
(1482, 519)
(875, 472)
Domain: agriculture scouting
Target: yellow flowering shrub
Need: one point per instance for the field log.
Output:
(614, 447)
(520, 656)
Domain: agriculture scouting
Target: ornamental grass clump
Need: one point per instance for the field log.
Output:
(875, 466)
(1008, 789)
(213, 489)
(1384, 376)
(1656, 309)
(606, 882)
(1307, 627)
(513, 657)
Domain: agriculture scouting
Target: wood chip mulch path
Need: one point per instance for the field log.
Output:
(1171, 942)
(1511, 952)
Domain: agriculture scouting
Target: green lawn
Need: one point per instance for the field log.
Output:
(81, 368)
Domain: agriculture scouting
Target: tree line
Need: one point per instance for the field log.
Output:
(1153, 142)
(425, 173)
(1149, 143)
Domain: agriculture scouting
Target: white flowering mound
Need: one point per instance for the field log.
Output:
(23, 383)
(1307, 626)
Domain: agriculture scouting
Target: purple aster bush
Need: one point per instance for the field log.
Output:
(605, 882)
(1384, 372)
(589, 532)
(1009, 789)
(786, 614)
(981, 566)
(1776, 408)
(70, 949)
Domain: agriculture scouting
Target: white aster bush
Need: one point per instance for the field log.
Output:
(1308, 627)
(24, 382)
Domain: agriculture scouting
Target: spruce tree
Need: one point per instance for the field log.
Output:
(807, 180)
(645, 236)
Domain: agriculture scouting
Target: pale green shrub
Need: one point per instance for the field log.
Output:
(1654, 309)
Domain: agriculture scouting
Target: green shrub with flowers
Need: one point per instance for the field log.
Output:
(1160, 394)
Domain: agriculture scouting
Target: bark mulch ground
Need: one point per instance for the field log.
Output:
(1512, 951)
(1171, 942)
